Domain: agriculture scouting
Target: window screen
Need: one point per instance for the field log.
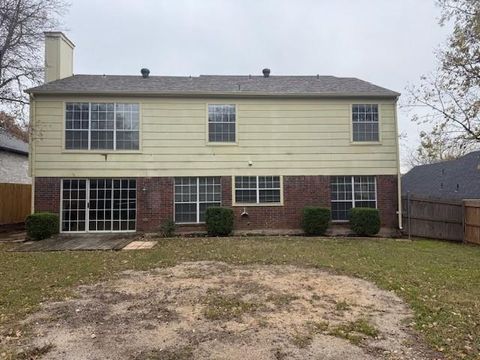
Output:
(257, 189)
(221, 123)
(351, 191)
(365, 122)
(101, 126)
(193, 195)
(127, 124)
(77, 126)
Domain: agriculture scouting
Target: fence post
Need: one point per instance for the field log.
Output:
(409, 216)
(463, 220)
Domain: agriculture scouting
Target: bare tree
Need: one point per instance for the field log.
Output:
(438, 145)
(22, 23)
(452, 92)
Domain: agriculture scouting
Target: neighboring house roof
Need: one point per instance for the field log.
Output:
(287, 86)
(12, 144)
(453, 180)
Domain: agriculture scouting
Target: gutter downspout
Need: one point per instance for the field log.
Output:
(32, 150)
(399, 175)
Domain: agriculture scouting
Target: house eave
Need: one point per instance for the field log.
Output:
(191, 94)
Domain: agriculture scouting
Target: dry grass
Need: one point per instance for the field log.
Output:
(439, 280)
(227, 307)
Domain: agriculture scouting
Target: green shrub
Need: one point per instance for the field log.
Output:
(41, 225)
(365, 221)
(315, 220)
(168, 228)
(219, 221)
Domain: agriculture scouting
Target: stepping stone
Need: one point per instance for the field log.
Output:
(140, 245)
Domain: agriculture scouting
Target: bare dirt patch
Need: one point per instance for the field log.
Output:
(211, 310)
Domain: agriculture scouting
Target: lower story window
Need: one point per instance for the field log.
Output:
(352, 191)
(258, 190)
(99, 205)
(193, 195)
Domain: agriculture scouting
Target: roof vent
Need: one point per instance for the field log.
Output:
(145, 72)
(266, 73)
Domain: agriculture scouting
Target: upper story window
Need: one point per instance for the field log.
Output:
(365, 122)
(258, 190)
(101, 126)
(77, 126)
(221, 123)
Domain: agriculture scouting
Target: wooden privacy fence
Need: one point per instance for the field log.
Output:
(15, 203)
(471, 209)
(442, 219)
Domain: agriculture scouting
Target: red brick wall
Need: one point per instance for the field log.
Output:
(298, 192)
(155, 202)
(387, 200)
(47, 194)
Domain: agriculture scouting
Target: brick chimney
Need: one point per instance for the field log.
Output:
(58, 56)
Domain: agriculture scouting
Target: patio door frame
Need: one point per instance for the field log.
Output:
(87, 208)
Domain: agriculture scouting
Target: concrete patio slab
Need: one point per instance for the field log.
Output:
(78, 242)
(12, 236)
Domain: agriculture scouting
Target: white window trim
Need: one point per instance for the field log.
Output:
(352, 179)
(350, 119)
(197, 201)
(101, 151)
(219, 143)
(258, 203)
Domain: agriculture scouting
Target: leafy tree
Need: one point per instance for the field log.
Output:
(452, 92)
(12, 127)
(22, 23)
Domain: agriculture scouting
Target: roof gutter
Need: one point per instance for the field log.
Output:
(15, 151)
(214, 94)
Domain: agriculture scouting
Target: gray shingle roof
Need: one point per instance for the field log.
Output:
(321, 86)
(450, 180)
(12, 144)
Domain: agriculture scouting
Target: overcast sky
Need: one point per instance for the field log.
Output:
(389, 43)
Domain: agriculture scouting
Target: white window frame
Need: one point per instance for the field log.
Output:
(87, 189)
(356, 142)
(352, 201)
(197, 202)
(101, 151)
(207, 135)
(64, 133)
(87, 208)
(128, 130)
(100, 130)
(257, 189)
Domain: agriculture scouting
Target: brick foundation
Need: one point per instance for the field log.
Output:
(155, 202)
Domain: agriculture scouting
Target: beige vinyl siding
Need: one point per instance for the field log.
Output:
(279, 137)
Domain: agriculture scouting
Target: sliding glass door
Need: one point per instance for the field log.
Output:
(99, 205)
(74, 205)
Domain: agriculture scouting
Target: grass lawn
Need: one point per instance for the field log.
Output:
(440, 280)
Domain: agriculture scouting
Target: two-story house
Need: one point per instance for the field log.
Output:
(127, 153)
